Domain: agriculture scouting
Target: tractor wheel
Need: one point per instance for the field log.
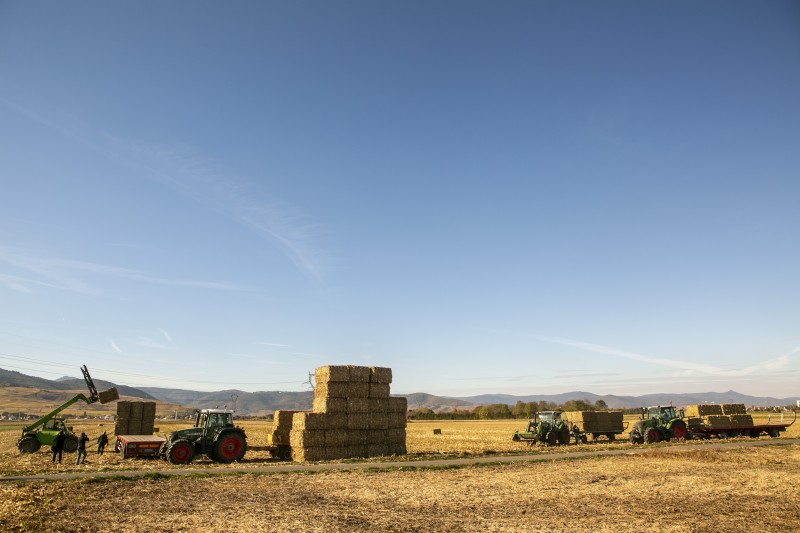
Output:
(636, 437)
(651, 436)
(774, 433)
(563, 436)
(180, 452)
(551, 438)
(611, 437)
(678, 430)
(29, 444)
(71, 444)
(229, 447)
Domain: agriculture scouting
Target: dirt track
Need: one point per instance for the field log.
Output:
(294, 467)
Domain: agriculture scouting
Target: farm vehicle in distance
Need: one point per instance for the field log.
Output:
(546, 427)
(213, 435)
(43, 432)
(659, 423)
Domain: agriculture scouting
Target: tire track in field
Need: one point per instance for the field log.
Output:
(426, 463)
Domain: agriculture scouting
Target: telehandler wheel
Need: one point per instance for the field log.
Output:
(29, 444)
(563, 436)
(230, 447)
(651, 436)
(71, 444)
(180, 452)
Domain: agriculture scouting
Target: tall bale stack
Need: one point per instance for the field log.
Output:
(695, 411)
(353, 416)
(135, 418)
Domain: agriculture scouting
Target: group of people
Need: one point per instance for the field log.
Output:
(60, 439)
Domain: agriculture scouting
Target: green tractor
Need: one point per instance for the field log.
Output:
(546, 427)
(43, 432)
(657, 424)
(213, 435)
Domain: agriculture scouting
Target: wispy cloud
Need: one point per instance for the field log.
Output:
(685, 368)
(114, 345)
(68, 274)
(273, 344)
(196, 176)
(166, 335)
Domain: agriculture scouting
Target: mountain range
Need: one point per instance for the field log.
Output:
(265, 402)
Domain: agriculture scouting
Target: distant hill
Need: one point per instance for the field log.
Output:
(247, 403)
(10, 378)
(124, 390)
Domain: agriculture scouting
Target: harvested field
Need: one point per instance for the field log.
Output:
(699, 490)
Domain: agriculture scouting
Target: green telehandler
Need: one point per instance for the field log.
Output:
(43, 432)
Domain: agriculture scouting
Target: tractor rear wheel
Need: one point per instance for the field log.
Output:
(774, 433)
(180, 452)
(678, 430)
(563, 436)
(611, 437)
(651, 436)
(71, 444)
(551, 438)
(29, 444)
(229, 447)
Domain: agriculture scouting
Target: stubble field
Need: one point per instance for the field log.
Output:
(696, 490)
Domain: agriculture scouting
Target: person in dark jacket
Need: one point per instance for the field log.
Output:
(82, 440)
(58, 446)
(102, 440)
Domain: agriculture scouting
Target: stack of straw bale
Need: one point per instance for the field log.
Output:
(734, 409)
(719, 421)
(741, 421)
(596, 421)
(703, 410)
(135, 418)
(353, 416)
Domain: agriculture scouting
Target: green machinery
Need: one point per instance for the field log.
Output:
(546, 427)
(213, 435)
(43, 432)
(657, 424)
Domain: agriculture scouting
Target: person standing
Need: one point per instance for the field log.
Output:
(102, 440)
(58, 446)
(82, 440)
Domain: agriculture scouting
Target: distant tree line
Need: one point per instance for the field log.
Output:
(498, 411)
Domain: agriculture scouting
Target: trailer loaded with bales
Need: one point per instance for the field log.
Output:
(557, 427)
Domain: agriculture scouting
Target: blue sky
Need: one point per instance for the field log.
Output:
(516, 197)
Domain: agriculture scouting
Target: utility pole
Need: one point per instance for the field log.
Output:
(234, 399)
(310, 381)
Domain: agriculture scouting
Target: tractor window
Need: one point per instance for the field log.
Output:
(51, 424)
(201, 421)
(546, 417)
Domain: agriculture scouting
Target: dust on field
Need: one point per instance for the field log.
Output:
(697, 490)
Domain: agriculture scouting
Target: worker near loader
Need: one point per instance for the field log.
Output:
(102, 440)
(58, 446)
(82, 440)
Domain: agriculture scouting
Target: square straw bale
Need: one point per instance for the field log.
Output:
(396, 448)
(379, 390)
(336, 421)
(702, 410)
(357, 437)
(719, 421)
(357, 421)
(398, 404)
(330, 405)
(357, 390)
(327, 374)
(734, 409)
(109, 395)
(359, 374)
(137, 409)
(377, 436)
(123, 409)
(336, 438)
(121, 426)
(357, 405)
(378, 421)
(331, 389)
(148, 410)
(396, 420)
(134, 426)
(741, 421)
(306, 439)
(380, 374)
(377, 450)
(337, 452)
(309, 421)
(378, 405)
(394, 436)
(358, 450)
(308, 454)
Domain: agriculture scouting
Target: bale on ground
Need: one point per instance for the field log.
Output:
(359, 374)
(734, 409)
(336, 452)
(380, 374)
(394, 436)
(357, 450)
(377, 450)
(357, 437)
(326, 374)
(330, 405)
(308, 454)
(309, 421)
(377, 436)
(396, 448)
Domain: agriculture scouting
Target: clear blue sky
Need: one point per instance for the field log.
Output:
(516, 197)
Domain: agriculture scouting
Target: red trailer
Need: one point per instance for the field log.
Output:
(704, 430)
(138, 445)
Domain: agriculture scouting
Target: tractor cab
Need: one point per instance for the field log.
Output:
(664, 413)
(214, 418)
(550, 417)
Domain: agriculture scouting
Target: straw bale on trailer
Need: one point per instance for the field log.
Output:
(121, 426)
(137, 410)
(734, 409)
(719, 421)
(330, 405)
(326, 374)
(123, 409)
(134, 426)
(380, 374)
(741, 421)
(702, 410)
(148, 410)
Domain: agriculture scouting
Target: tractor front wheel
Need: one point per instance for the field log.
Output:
(651, 436)
(229, 447)
(29, 444)
(180, 452)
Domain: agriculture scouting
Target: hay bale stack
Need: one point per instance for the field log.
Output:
(734, 409)
(281, 426)
(741, 421)
(353, 416)
(702, 410)
(135, 418)
(596, 421)
(719, 421)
